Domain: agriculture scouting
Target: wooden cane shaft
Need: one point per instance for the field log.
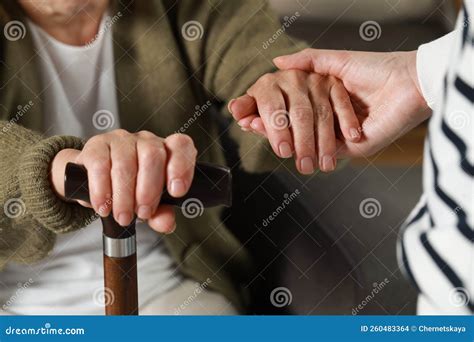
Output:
(120, 281)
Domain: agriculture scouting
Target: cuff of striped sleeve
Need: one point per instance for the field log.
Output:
(431, 64)
(40, 200)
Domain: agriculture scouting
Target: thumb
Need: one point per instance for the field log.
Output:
(326, 62)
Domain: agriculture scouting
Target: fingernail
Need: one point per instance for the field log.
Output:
(124, 219)
(172, 229)
(354, 133)
(276, 59)
(285, 150)
(144, 212)
(307, 165)
(177, 187)
(245, 129)
(229, 106)
(328, 163)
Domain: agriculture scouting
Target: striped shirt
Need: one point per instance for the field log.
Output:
(436, 248)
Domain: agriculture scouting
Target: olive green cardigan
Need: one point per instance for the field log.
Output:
(153, 94)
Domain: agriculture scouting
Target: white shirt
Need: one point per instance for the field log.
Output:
(437, 245)
(79, 82)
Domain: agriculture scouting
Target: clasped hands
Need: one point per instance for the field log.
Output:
(327, 104)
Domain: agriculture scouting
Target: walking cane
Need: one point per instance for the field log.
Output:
(211, 186)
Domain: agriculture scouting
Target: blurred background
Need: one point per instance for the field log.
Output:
(332, 250)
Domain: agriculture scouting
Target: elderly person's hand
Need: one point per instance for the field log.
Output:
(299, 112)
(132, 169)
(383, 89)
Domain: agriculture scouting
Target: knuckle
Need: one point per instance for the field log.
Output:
(179, 141)
(98, 165)
(301, 114)
(94, 140)
(323, 112)
(124, 168)
(271, 109)
(152, 154)
(121, 133)
(332, 80)
(295, 79)
(267, 79)
(147, 135)
(314, 79)
(194, 152)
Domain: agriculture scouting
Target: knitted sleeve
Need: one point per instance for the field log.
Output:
(32, 213)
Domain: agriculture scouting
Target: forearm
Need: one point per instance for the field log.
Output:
(36, 213)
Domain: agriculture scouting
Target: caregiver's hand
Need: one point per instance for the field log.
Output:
(383, 88)
(295, 110)
(132, 169)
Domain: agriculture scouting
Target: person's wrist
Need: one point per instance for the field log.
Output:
(58, 167)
